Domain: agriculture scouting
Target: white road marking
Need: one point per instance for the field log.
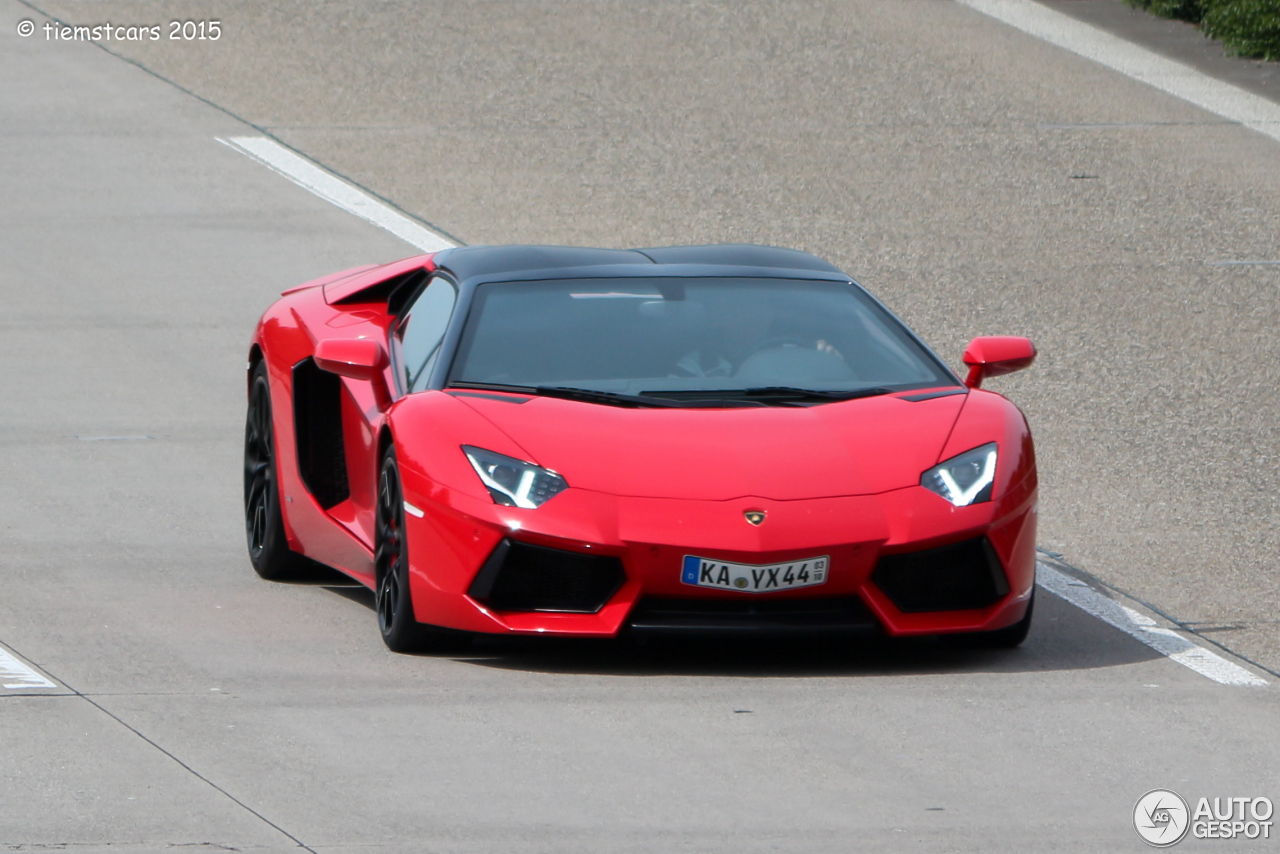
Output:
(1163, 640)
(334, 190)
(1180, 80)
(17, 676)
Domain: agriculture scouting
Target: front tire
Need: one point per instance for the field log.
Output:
(1007, 638)
(401, 631)
(269, 550)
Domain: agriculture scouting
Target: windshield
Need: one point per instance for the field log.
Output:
(674, 336)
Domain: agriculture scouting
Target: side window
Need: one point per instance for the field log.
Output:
(422, 330)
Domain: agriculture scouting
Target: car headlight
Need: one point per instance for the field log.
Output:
(512, 482)
(964, 479)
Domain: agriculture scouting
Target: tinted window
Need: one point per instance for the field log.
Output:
(422, 329)
(638, 335)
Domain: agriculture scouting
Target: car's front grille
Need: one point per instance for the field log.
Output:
(845, 614)
(955, 577)
(521, 577)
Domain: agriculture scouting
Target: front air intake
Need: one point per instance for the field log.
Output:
(753, 616)
(521, 577)
(956, 577)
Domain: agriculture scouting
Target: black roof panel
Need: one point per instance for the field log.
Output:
(738, 255)
(470, 261)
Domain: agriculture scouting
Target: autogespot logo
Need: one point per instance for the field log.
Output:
(1161, 818)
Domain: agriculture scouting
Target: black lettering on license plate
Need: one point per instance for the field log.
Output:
(753, 579)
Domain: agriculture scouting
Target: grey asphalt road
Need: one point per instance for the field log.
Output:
(923, 147)
(979, 180)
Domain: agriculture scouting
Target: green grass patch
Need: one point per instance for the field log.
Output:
(1245, 27)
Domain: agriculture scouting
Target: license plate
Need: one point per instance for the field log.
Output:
(747, 578)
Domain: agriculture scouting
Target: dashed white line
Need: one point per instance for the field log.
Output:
(1182, 81)
(16, 676)
(334, 190)
(1139, 626)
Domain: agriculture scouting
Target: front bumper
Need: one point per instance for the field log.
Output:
(877, 581)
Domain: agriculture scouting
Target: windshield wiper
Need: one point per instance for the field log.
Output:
(770, 395)
(612, 398)
(782, 392)
(590, 395)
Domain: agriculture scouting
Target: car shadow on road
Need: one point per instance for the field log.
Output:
(1062, 638)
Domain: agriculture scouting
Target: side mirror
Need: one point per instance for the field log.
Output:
(995, 356)
(357, 359)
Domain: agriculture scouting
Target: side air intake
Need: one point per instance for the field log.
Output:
(317, 427)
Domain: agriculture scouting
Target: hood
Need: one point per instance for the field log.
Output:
(856, 447)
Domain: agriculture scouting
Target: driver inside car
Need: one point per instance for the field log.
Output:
(738, 331)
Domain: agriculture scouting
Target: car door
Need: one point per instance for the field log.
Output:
(413, 339)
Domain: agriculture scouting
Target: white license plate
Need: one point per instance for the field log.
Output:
(746, 578)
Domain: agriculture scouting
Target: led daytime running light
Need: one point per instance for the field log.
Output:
(964, 479)
(512, 482)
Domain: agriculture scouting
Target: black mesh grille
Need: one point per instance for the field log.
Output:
(521, 577)
(844, 614)
(949, 578)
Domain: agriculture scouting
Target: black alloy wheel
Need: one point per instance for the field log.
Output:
(401, 631)
(269, 550)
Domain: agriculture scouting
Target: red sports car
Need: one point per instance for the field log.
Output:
(583, 442)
